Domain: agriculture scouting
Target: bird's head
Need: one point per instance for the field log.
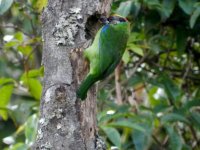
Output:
(114, 19)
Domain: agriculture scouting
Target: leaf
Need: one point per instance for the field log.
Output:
(187, 5)
(127, 124)
(34, 73)
(175, 142)
(19, 146)
(135, 49)
(6, 81)
(135, 8)
(5, 95)
(152, 3)
(19, 36)
(25, 49)
(11, 44)
(167, 8)
(154, 44)
(194, 17)
(136, 37)
(31, 129)
(104, 117)
(30, 80)
(195, 119)
(21, 109)
(190, 104)
(40, 5)
(141, 140)
(172, 90)
(124, 8)
(113, 135)
(126, 57)
(135, 80)
(174, 117)
(5, 5)
(35, 88)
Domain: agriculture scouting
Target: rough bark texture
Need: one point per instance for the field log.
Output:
(65, 122)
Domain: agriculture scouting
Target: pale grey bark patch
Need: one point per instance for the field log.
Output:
(68, 26)
(67, 123)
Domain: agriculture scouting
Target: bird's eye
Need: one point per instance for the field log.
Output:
(111, 18)
(103, 20)
(122, 20)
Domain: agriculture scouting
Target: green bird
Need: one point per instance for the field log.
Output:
(106, 51)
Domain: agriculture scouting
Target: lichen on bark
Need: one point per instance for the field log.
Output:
(67, 27)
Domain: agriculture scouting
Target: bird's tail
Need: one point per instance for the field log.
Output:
(85, 85)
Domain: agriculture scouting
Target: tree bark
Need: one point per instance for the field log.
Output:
(66, 123)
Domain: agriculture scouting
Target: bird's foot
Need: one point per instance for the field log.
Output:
(76, 50)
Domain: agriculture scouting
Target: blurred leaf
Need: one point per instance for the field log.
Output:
(172, 90)
(194, 17)
(140, 139)
(167, 8)
(5, 5)
(25, 49)
(35, 88)
(19, 36)
(40, 5)
(126, 57)
(186, 147)
(152, 3)
(195, 119)
(104, 117)
(126, 124)
(19, 146)
(154, 44)
(174, 117)
(6, 81)
(21, 109)
(175, 141)
(135, 80)
(113, 135)
(136, 6)
(5, 95)
(30, 80)
(19, 130)
(31, 129)
(34, 73)
(11, 44)
(135, 49)
(136, 37)
(190, 104)
(187, 5)
(124, 8)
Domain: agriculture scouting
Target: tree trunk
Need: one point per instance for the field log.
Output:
(66, 123)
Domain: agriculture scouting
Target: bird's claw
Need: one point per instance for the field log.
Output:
(76, 50)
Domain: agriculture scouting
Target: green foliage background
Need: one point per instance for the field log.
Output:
(159, 77)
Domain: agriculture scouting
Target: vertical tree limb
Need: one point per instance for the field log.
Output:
(118, 85)
(65, 122)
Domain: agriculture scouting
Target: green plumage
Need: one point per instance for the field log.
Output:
(104, 54)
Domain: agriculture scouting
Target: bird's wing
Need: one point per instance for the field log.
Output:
(105, 48)
(111, 47)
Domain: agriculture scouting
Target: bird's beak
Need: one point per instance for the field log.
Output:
(103, 20)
